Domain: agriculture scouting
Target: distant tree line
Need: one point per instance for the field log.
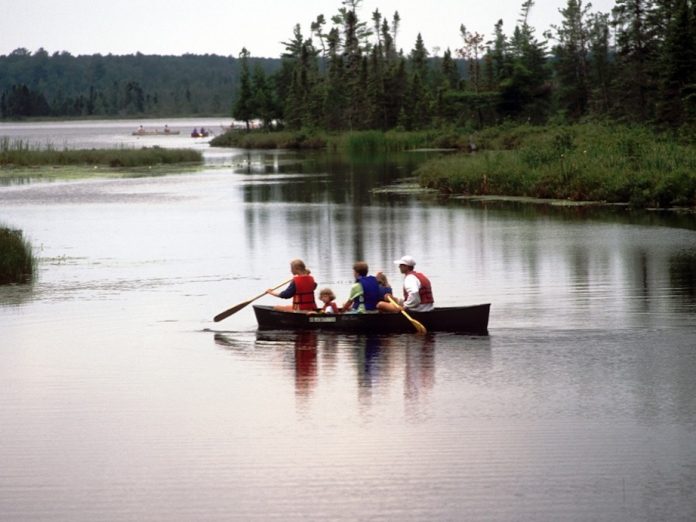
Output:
(61, 85)
(635, 64)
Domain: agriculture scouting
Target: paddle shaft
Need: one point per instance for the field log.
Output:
(237, 308)
(417, 324)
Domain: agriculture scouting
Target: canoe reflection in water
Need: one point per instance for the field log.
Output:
(376, 362)
(305, 363)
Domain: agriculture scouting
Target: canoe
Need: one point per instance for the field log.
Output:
(459, 319)
(155, 133)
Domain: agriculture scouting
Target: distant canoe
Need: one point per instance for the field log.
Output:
(459, 319)
(156, 133)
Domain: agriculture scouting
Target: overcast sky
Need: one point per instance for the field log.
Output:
(225, 26)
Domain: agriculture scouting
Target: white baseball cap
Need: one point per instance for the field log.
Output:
(406, 260)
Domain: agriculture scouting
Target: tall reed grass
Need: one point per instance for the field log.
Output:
(615, 164)
(16, 257)
(354, 142)
(271, 140)
(19, 153)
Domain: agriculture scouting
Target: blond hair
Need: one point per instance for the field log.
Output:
(382, 279)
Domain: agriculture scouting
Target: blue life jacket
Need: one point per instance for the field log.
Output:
(384, 290)
(371, 295)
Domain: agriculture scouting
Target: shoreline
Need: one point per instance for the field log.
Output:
(18, 154)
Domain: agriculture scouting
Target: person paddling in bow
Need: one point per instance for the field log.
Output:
(418, 292)
(301, 289)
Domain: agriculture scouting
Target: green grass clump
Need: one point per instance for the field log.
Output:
(270, 140)
(16, 258)
(370, 141)
(20, 154)
(590, 162)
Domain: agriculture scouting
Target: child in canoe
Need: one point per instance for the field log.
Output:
(327, 297)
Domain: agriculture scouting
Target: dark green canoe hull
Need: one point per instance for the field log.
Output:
(459, 319)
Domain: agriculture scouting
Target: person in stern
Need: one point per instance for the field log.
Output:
(364, 294)
(418, 292)
(301, 289)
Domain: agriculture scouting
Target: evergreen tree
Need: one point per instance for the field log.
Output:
(353, 63)
(500, 64)
(571, 64)
(450, 72)
(677, 66)
(376, 114)
(635, 53)
(335, 101)
(20, 101)
(264, 106)
(601, 67)
(395, 85)
(524, 88)
(417, 111)
(244, 109)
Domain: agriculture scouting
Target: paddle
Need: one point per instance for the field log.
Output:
(418, 326)
(237, 308)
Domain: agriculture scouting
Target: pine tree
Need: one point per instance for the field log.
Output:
(571, 65)
(244, 105)
(335, 102)
(418, 111)
(601, 66)
(677, 67)
(524, 89)
(635, 55)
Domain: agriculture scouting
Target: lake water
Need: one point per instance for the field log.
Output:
(120, 399)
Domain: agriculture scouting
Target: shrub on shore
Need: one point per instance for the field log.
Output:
(21, 154)
(358, 141)
(270, 140)
(16, 257)
(591, 162)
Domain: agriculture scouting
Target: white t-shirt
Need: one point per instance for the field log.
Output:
(412, 286)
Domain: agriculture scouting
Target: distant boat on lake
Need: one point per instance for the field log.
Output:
(202, 133)
(156, 132)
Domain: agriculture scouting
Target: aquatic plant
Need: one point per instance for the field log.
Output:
(270, 140)
(16, 257)
(20, 154)
(369, 141)
(615, 164)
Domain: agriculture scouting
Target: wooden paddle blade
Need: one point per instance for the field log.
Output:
(420, 327)
(235, 309)
(230, 311)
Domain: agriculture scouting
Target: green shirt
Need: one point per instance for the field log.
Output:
(356, 291)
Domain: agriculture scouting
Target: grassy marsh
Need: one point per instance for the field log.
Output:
(17, 261)
(590, 162)
(17, 153)
(358, 141)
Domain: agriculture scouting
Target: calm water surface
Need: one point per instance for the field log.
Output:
(120, 399)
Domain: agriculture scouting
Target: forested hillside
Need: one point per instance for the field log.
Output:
(635, 64)
(61, 85)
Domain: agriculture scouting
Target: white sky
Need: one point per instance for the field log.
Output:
(225, 26)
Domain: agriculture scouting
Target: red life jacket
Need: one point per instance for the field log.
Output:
(332, 304)
(425, 291)
(304, 293)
